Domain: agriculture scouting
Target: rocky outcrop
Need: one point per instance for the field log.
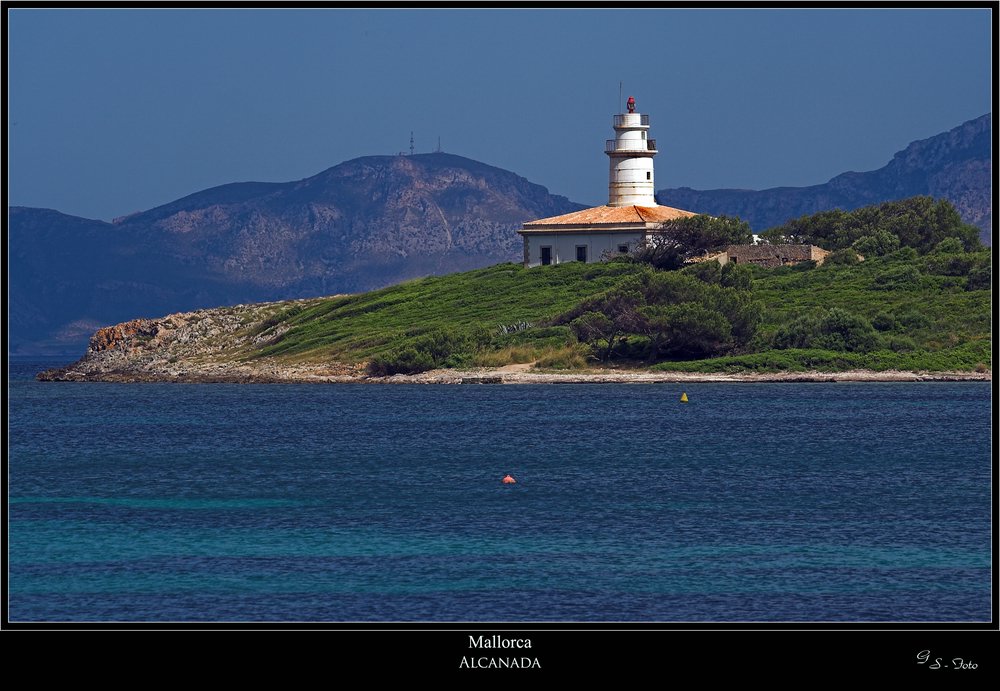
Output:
(204, 345)
(121, 336)
(956, 165)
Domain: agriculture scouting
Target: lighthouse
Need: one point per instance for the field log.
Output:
(630, 181)
(631, 216)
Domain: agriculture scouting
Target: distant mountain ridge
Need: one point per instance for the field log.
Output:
(359, 225)
(956, 165)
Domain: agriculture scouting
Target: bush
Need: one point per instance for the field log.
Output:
(837, 330)
(903, 254)
(846, 256)
(594, 327)
(844, 331)
(407, 360)
(949, 264)
(917, 222)
(688, 330)
(707, 271)
(438, 348)
(798, 333)
(897, 278)
(901, 344)
(980, 278)
(685, 238)
(675, 311)
(912, 319)
(878, 244)
(949, 246)
(884, 322)
(738, 276)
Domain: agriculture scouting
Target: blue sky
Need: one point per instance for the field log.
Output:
(113, 111)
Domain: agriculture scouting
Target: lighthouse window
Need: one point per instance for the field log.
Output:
(581, 253)
(649, 176)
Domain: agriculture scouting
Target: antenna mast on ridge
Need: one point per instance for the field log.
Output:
(411, 142)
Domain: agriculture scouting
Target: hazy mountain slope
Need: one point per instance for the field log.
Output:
(362, 224)
(956, 165)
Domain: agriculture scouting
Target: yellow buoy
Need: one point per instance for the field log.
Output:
(684, 397)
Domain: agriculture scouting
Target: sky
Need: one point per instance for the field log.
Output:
(112, 111)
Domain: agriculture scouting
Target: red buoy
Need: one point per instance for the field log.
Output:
(509, 480)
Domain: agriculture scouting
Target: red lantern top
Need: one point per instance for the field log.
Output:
(631, 104)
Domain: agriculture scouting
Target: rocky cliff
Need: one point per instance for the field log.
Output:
(956, 165)
(210, 345)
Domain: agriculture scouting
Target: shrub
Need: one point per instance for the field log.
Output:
(688, 330)
(798, 333)
(949, 246)
(878, 244)
(736, 276)
(837, 330)
(949, 264)
(918, 222)
(980, 278)
(438, 348)
(912, 319)
(901, 344)
(903, 254)
(406, 360)
(843, 331)
(846, 256)
(884, 322)
(897, 278)
(707, 271)
(684, 238)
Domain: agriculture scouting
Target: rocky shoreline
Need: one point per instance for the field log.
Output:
(220, 346)
(307, 375)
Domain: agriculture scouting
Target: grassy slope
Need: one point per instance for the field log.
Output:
(356, 327)
(955, 332)
(950, 326)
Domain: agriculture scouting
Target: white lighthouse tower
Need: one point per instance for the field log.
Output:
(630, 181)
(631, 216)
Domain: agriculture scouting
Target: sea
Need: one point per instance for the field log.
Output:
(769, 502)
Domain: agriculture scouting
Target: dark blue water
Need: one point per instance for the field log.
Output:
(754, 502)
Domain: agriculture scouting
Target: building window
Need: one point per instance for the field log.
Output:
(581, 253)
(546, 256)
(649, 176)
(733, 259)
(623, 249)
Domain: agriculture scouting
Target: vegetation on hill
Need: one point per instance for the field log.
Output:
(917, 222)
(690, 237)
(912, 305)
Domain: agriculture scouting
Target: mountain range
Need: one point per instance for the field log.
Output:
(955, 165)
(360, 225)
(370, 222)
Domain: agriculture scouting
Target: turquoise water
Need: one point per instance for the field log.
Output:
(754, 502)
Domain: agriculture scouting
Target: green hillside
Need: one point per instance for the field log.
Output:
(900, 308)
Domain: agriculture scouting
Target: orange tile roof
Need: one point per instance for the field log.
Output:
(612, 215)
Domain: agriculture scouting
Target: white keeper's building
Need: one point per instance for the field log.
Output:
(630, 217)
